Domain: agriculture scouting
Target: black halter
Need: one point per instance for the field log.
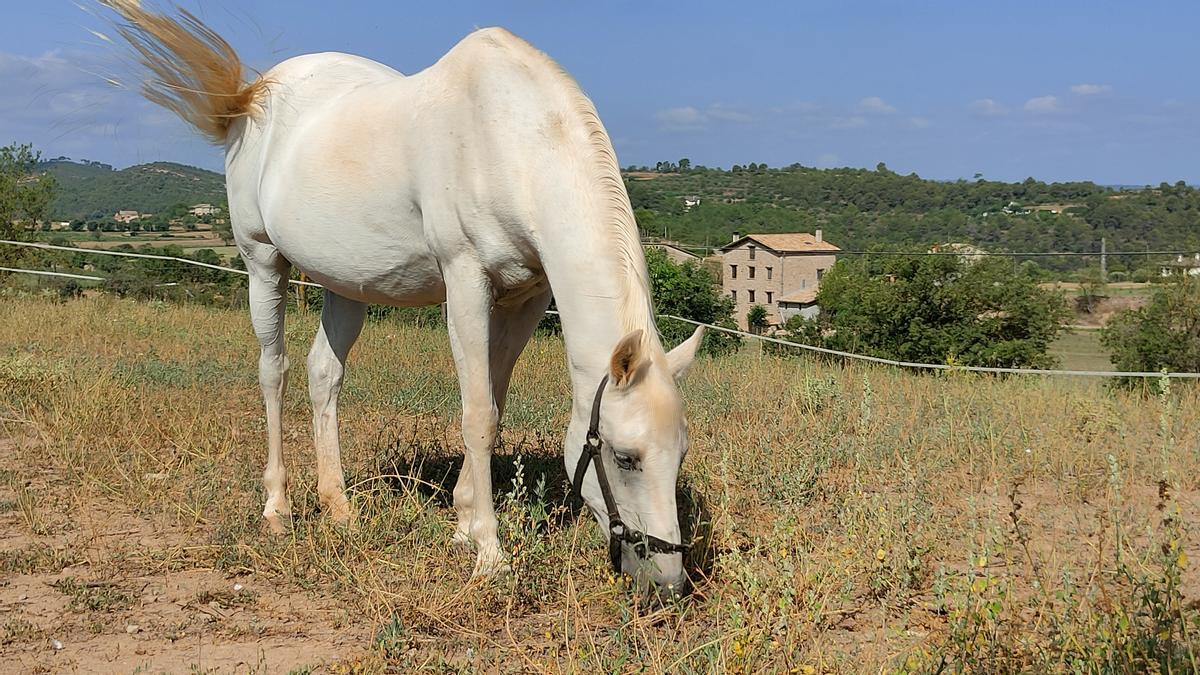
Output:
(643, 544)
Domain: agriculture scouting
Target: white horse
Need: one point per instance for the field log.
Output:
(486, 181)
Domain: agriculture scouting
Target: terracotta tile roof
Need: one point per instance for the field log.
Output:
(801, 297)
(790, 242)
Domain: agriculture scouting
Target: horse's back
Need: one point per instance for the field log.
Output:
(365, 173)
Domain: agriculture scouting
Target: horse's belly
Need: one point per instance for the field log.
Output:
(397, 270)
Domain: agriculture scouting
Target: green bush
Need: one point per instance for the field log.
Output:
(935, 309)
(1165, 334)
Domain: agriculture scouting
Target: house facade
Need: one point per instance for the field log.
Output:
(781, 272)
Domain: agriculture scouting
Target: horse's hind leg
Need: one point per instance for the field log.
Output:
(268, 301)
(341, 323)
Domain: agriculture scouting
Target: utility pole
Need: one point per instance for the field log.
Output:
(1103, 260)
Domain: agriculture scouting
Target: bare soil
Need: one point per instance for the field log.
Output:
(103, 592)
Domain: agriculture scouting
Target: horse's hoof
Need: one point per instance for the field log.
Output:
(338, 510)
(278, 523)
(495, 565)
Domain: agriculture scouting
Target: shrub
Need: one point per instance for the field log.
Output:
(936, 309)
(1165, 334)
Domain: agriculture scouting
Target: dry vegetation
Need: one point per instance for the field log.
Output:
(852, 518)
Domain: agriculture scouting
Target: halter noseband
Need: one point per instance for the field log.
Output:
(643, 544)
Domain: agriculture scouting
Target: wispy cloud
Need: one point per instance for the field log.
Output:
(726, 113)
(691, 118)
(852, 122)
(1091, 89)
(987, 107)
(875, 105)
(685, 118)
(1042, 104)
(919, 122)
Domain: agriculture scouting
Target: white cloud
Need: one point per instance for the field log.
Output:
(65, 103)
(1091, 89)
(987, 107)
(875, 105)
(853, 122)
(724, 113)
(919, 122)
(1042, 104)
(685, 118)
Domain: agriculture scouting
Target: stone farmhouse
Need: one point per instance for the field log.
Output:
(781, 272)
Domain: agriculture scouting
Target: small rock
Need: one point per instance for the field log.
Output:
(237, 588)
(56, 644)
(133, 628)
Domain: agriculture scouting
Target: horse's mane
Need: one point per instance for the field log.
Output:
(635, 309)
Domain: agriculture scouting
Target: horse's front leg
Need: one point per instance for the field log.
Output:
(468, 310)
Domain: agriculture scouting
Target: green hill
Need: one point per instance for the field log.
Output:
(91, 187)
(859, 209)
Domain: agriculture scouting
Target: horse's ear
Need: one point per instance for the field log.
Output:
(628, 355)
(681, 358)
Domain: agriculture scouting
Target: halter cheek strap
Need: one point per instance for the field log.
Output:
(643, 544)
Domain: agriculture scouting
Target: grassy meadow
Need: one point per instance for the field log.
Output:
(848, 518)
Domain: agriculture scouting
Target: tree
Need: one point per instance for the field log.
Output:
(688, 291)
(936, 309)
(756, 319)
(25, 194)
(1163, 334)
(684, 165)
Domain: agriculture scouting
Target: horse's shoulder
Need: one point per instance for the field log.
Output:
(497, 49)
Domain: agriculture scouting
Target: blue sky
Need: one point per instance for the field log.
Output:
(1059, 90)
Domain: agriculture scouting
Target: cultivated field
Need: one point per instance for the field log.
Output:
(850, 518)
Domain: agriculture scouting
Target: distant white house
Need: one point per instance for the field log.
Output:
(1181, 266)
(689, 202)
(126, 216)
(204, 210)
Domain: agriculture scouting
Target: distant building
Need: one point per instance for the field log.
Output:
(204, 210)
(126, 216)
(675, 253)
(1181, 266)
(781, 272)
(689, 202)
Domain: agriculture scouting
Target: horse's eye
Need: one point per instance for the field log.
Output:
(626, 463)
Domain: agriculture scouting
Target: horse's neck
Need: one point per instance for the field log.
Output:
(597, 304)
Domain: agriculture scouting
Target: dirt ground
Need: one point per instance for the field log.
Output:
(68, 612)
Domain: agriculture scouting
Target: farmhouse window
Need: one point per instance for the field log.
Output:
(770, 273)
(751, 272)
(751, 292)
(752, 250)
(733, 294)
(733, 271)
(769, 294)
(820, 273)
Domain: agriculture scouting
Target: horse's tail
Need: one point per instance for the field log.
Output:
(193, 71)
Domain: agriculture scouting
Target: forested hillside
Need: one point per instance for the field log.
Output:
(859, 209)
(86, 188)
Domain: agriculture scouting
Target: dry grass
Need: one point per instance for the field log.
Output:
(860, 518)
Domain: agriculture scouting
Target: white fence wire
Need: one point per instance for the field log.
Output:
(763, 338)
